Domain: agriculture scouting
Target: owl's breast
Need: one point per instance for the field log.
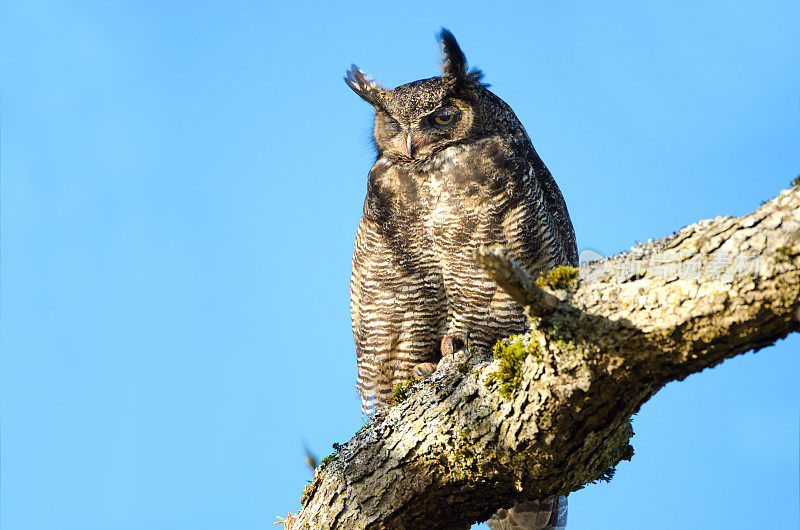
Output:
(466, 191)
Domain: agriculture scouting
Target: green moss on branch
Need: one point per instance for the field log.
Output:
(400, 392)
(560, 277)
(511, 353)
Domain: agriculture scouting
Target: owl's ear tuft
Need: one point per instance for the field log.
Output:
(369, 90)
(454, 63)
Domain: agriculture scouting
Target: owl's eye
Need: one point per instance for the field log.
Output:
(444, 116)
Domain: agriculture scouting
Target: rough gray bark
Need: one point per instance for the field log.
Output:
(455, 451)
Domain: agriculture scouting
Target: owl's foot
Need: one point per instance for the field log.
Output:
(453, 346)
(423, 370)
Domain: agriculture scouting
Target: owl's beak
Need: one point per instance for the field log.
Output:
(409, 147)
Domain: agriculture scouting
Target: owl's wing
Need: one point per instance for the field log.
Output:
(560, 222)
(537, 227)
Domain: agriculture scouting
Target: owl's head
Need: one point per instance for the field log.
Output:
(416, 120)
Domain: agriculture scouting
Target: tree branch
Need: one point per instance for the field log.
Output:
(515, 280)
(456, 450)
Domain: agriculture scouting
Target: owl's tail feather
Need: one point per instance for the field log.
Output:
(368, 407)
(549, 514)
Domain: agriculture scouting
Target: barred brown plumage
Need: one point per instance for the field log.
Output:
(455, 169)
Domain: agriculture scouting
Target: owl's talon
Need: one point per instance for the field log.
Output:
(423, 370)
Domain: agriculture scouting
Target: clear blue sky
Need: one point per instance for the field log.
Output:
(181, 183)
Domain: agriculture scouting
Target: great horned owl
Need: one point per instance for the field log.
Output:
(455, 169)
